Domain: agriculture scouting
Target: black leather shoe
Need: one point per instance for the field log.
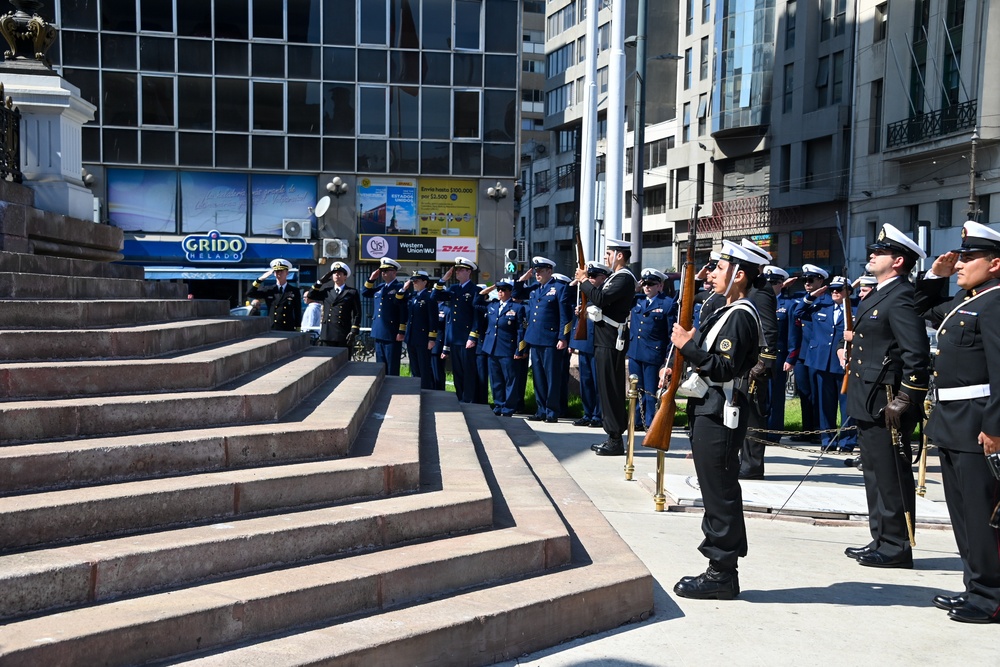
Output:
(750, 476)
(949, 602)
(596, 423)
(712, 585)
(611, 448)
(551, 420)
(879, 559)
(536, 418)
(582, 421)
(856, 552)
(597, 445)
(968, 613)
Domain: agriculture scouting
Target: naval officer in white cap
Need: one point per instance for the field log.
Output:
(887, 380)
(965, 423)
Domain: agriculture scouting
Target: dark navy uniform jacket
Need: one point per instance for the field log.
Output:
(285, 307)
(504, 331)
(968, 354)
(585, 346)
(388, 313)
(614, 298)
(650, 325)
(422, 318)
(462, 325)
(785, 315)
(341, 312)
(734, 352)
(826, 335)
(549, 312)
(890, 348)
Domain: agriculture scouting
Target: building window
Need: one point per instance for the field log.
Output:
(157, 100)
(269, 106)
(602, 80)
(822, 81)
(540, 247)
(374, 23)
(688, 65)
(703, 74)
(983, 215)
(541, 221)
(604, 37)
(833, 18)
(542, 182)
(790, 24)
(944, 213)
(467, 112)
(655, 200)
(785, 165)
(565, 214)
(567, 141)
(372, 110)
(468, 25)
(702, 114)
(558, 99)
(686, 131)
(837, 90)
(956, 13)
(788, 89)
(564, 177)
(689, 17)
(560, 59)
(875, 122)
(881, 21)
(706, 10)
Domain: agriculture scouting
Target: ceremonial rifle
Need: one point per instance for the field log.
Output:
(848, 326)
(581, 320)
(658, 434)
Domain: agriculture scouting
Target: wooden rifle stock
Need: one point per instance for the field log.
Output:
(848, 326)
(659, 432)
(581, 319)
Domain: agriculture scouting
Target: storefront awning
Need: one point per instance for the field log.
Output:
(196, 273)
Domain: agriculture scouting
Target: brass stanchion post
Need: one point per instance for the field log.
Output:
(660, 499)
(633, 394)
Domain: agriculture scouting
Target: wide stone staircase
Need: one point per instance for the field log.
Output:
(177, 486)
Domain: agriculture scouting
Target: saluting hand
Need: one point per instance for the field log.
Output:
(945, 265)
(373, 276)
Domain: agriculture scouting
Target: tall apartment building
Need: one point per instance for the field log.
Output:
(926, 84)
(552, 188)
(236, 116)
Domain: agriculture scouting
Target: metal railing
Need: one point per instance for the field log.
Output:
(955, 118)
(10, 139)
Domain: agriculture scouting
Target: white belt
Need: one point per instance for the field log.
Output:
(963, 393)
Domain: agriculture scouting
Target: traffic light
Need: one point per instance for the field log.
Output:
(511, 255)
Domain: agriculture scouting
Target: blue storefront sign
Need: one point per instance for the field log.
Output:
(213, 247)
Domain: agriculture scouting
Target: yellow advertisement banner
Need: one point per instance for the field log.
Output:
(446, 207)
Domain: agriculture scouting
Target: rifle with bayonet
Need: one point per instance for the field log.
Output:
(581, 319)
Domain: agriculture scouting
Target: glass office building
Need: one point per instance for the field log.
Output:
(231, 115)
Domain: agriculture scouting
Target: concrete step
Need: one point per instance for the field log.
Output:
(322, 426)
(529, 539)
(11, 262)
(40, 286)
(604, 586)
(151, 340)
(258, 397)
(205, 368)
(16, 314)
(72, 576)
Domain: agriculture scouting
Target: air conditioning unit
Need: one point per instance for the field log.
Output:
(335, 248)
(296, 230)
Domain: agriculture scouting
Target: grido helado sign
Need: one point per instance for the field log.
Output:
(214, 247)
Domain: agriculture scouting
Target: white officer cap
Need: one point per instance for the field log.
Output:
(737, 254)
(813, 270)
(595, 268)
(775, 272)
(389, 265)
(420, 274)
(867, 281)
(281, 265)
(890, 238)
(542, 263)
(618, 244)
(652, 275)
(839, 281)
(756, 249)
(504, 284)
(465, 263)
(340, 266)
(977, 236)
(561, 277)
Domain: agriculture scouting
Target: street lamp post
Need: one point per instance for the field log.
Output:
(496, 193)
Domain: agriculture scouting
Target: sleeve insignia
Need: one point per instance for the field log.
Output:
(913, 378)
(725, 345)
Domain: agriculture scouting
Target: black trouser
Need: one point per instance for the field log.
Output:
(971, 493)
(716, 461)
(610, 364)
(752, 450)
(889, 488)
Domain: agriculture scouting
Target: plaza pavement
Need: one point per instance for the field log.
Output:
(803, 601)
